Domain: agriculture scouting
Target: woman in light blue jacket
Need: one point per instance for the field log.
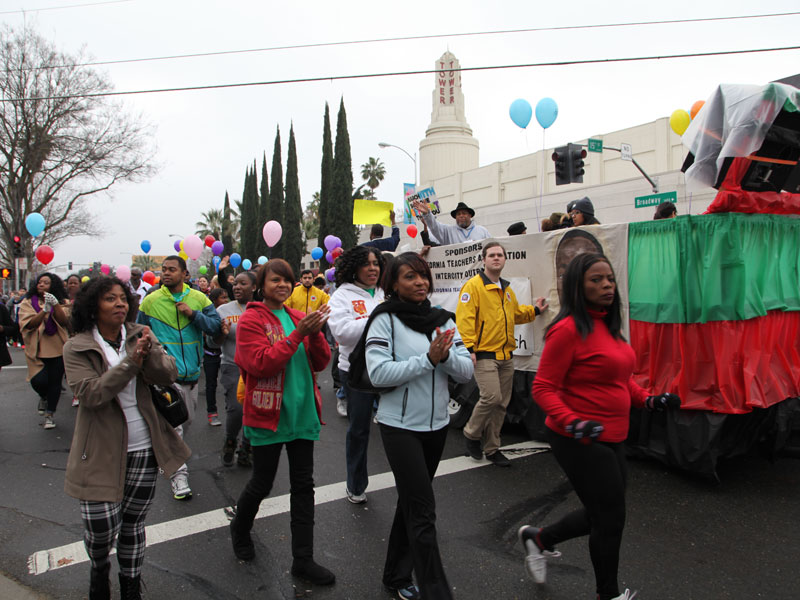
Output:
(412, 348)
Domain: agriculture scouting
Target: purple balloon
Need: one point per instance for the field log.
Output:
(217, 248)
(330, 242)
(177, 245)
(331, 273)
(337, 242)
(329, 258)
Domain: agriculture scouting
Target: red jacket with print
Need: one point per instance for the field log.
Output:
(262, 353)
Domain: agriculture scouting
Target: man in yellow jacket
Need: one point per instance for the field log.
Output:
(305, 296)
(485, 316)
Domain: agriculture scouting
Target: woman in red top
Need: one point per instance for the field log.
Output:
(584, 384)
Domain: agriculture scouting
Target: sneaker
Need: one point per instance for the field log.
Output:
(42, 406)
(75, 402)
(356, 498)
(341, 406)
(498, 459)
(228, 452)
(626, 595)
(306, 568)
(474, 449)
(536, 559)
(410, 592)
(243, 546)
(49, 423)
(244, 457)
(213, 420)
(180, 487)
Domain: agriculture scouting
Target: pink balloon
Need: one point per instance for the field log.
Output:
(105, 269)
(123, 272)
(272, 233)
(193, 246)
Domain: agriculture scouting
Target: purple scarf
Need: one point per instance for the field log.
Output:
(50, 327)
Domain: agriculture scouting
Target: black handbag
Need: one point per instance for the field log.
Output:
(358, 375)
(169, 402)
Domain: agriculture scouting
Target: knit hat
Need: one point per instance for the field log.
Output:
(584, 205)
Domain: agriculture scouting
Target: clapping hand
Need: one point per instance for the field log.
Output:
(313, 321)
(142, 349)
(663, 402)
(440, 346)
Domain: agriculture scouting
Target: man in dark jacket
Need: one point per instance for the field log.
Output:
(384, 244)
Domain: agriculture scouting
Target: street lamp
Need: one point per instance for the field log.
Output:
(413, 158)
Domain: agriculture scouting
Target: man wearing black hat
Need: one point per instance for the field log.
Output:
(463, 231)
(517, 228)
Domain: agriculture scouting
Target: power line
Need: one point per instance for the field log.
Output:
(30, 10)
(412, 38)
(404, 73)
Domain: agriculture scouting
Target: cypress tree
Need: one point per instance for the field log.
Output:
(276, 195)
(341, 216)
(293, 247)
(263, 212)
(249, 215)
(326, 183)
(227, 237)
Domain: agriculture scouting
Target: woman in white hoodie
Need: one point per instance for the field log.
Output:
(358, 271)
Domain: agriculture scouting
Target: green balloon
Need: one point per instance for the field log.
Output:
(202, 270)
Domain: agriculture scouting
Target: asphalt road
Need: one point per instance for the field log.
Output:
(686, 538)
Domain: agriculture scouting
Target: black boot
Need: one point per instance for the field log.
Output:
(99, 588)
(243, 546)
(130, 587)
(307, 569)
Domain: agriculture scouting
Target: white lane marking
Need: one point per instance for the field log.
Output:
(15, 367)
(43, 561)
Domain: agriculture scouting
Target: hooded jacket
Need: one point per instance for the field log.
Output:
(181, 336)
(350, 309)
(97, 458)
(262, 353)
(307, 299)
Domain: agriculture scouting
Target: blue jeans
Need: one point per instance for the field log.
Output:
(359, 413)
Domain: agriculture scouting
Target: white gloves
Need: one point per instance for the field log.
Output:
(49, 302)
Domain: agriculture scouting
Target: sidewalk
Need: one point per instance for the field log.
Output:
(11, 589)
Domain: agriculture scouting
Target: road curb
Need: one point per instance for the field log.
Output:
(13, 589)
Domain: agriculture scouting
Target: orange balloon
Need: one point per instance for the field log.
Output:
(157, 280)
(696, 108)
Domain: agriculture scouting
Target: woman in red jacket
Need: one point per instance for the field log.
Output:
(585, 386)
(278, 350)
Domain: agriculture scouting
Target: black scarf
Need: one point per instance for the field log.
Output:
(423, 317)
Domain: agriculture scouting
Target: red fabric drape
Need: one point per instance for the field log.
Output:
(732, 198)
(726, 367)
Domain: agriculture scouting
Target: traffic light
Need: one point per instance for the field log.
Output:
(17, 246)
(576, 156)
(5, 273)
(69, 266)
(561, 158)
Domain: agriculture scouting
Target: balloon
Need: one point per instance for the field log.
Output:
(105, 269)
(331, 273)
(235, 260)
(520, 112)
(272, 233)
(209, 240)
(336, 252)
(181, 244)
(546, 112)
(145, 246)
(84, 279)
(193, 246)
(412, 230)
(329, 257)
(679, 120)
(696, 108)
(337, 242)
(34, 223)
(123, 272)
(156, 279)
(317, 253)
(148, 277)
(183, 255)
(246, 264)
(330, 243)
(203, 270)
(177, 245)
(217, 248)
(262, 260)
(216, 260)
(44, 254)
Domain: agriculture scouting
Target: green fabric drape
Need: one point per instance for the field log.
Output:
(717, 267)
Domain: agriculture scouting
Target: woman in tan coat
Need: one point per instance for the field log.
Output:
(121, 442)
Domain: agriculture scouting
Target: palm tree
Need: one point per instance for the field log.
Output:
(311, 218)
(145, 262)
(373, 172)
(211, 224)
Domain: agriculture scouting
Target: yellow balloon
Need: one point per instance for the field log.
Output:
(84, 279)
(183, 255)
(181, 244)
(679, 120)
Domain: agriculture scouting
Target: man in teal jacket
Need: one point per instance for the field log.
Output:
(178, 316)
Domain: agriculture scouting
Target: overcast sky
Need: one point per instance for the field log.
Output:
(206, 139)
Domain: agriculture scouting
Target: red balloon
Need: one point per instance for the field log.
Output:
(209, 240)
(148, 277)
(412, 230)
(44, 254)
(336, 252)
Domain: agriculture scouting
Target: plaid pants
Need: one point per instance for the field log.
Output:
(103, 522)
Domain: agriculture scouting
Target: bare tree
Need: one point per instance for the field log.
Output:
(61, 140)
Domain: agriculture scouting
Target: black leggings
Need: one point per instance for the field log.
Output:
(47, 382)
(598, 473)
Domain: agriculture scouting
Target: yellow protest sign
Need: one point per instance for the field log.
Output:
(368, 212)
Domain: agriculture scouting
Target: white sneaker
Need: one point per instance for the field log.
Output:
(535, 559)
(341, 407)
(75, 402)
(356, 498)
(49, 423)
(626, 595)
(180, 487)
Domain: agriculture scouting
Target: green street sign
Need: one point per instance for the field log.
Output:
(654, 199)
(595, 145)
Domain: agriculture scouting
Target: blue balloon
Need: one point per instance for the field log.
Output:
(235, 260)
(145, 246)
(317, 253)
(546, 112)
(34, 223)
(262, 260)
(246, 264)
(520, 112)
(216, 260)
